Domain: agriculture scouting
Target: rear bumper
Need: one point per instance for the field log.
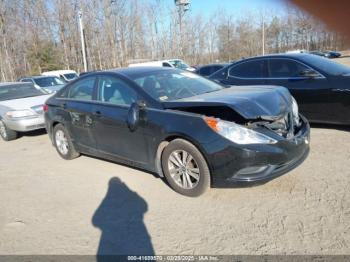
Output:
(24, 125)
(257, 164)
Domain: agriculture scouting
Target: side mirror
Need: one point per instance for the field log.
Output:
(309, 73)
(134, 115)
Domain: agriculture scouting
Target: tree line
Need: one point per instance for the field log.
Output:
(41, 35)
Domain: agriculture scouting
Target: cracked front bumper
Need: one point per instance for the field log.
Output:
(255, 164)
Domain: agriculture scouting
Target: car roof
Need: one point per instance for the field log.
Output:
(281, 55)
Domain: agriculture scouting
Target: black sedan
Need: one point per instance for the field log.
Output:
(320, 86)
(332, 54)
(180, 125)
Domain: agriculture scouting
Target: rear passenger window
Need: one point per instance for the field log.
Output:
(166, 64)
(205, 71)
(82, 90)
(250, 69)
(115, 91)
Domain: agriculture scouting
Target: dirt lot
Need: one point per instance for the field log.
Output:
(85, 206)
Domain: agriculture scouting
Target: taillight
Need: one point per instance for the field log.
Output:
(45, 108)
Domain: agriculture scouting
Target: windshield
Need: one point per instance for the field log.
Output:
(48, 81)
(179, 64)
(328, 66)
(70, 76)
(19, 91)
(169, 85)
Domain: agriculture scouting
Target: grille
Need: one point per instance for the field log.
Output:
(284, 126)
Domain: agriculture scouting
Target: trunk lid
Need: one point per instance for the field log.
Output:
(25, 103)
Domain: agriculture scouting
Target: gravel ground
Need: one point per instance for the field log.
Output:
(84, 206)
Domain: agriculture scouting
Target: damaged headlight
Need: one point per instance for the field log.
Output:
(295, 110)
(237, 133)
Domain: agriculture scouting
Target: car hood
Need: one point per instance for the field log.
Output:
(24, 103)
(251, 102)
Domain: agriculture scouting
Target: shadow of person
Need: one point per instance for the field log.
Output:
(120, 218)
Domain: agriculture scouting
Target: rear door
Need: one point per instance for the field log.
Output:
(113, 135)
(312, 94)
(78, 106)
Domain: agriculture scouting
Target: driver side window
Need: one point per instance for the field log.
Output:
(82, 90)
(115, 91)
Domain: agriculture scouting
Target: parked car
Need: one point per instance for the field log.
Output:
(297, 51)
(207, 70)
(180, 125)
(328, 54)
(319, 53)
(175, 63)
(321, 86)
(332, 54)
(21, 109)
(65, 75)
(50, 84)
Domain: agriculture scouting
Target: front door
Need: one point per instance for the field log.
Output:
(312, 94)
(112, 133)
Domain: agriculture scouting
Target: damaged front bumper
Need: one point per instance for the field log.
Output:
(255, 164)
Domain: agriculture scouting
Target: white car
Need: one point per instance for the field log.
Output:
(175, 63)
(21, 109)
(67, 75)
(50, 84)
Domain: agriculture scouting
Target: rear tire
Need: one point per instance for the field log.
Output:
(63, 143)
(185, 168)
(6, 133)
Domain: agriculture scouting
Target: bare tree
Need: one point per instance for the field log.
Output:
(39, 35)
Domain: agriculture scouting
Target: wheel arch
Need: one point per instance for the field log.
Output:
(165, 142)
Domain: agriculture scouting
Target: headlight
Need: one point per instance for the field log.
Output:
(237, 133)
(20, 114)
(295, 110)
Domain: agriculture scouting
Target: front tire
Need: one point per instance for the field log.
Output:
(6, 133)
(185, 168)
(63, 143)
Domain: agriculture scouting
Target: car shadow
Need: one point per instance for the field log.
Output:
(120, 219)
(330, 126)
(38, 132)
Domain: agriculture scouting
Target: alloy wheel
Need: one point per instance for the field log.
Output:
(61, 142)
(183, 169)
